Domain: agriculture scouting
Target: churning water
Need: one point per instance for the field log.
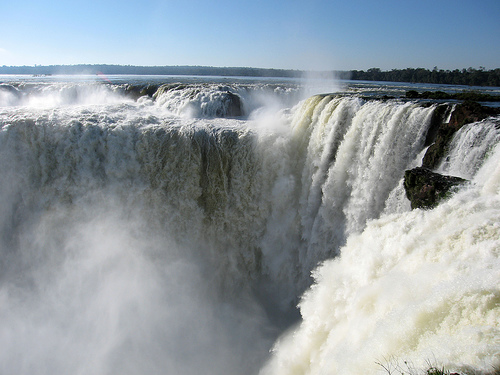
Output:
(175, 233)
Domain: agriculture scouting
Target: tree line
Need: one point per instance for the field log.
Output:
(469, 77)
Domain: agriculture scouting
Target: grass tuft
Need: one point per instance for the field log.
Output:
(394, 367)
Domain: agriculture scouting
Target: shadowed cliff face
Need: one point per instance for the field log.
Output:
(425, 188)
(464, 113)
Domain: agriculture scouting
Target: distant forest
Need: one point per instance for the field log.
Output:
(469, 77)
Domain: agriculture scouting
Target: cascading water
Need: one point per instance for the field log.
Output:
(468, 149)
(413, 290)
(346, 157)
(154, 236)
(123, 245)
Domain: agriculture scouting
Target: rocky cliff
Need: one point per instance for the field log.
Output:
(425, 188)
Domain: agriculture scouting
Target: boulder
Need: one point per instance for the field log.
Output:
(231, 105)
(425, 189)
(137, 91)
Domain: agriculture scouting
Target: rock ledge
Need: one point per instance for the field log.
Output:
(425, 189)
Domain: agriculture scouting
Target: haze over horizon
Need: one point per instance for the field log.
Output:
(314, 35)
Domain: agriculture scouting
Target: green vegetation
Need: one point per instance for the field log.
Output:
(468, 77)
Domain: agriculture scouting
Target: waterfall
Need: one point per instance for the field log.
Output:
(171, 234)
(413, 290)
(469, 147)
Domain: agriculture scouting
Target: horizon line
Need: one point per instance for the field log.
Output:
(480, 68)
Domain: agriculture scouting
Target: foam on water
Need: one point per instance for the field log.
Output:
(418, 288)
(143, 237)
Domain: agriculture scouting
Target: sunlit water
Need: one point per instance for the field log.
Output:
(165, 235)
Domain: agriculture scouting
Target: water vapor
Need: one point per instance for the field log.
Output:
(176, 233)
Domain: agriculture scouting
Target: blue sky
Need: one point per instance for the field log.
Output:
(307, 34)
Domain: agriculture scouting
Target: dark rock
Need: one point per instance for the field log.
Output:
(232, 104)
(464, 95)
(468, 112)
(149, 90)
(412, 94)
(438, 117)
(135, 92)
(464, 113)
(425, 189)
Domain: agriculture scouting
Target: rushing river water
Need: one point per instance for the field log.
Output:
(176, 232)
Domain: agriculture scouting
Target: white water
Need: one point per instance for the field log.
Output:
(413, 290)
(211, 100)
(469, 147)
(138, 237)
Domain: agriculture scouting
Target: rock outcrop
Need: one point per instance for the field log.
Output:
(425, 189)
(231, 105)
(464, 113)
(137, 91)
(464, 95)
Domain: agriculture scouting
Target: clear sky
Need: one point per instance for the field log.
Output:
(307, 34)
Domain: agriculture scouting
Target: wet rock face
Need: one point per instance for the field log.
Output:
(425, 189)
(137, 91)
(232, 105)
(464, 113)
